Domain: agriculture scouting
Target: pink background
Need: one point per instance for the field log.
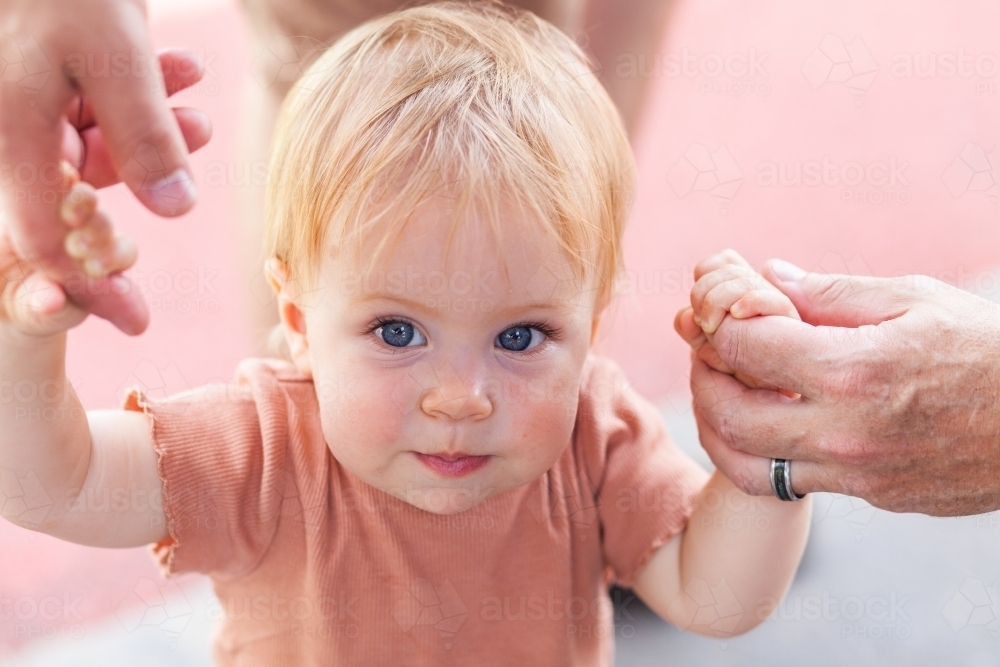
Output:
(704, 149)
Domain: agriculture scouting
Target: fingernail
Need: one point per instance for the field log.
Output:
(77, 246)
(94, 268)
(67, 213)
(74, 209)
(70, 174)
(786, 271)
(174, 193)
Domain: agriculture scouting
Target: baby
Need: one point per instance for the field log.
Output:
(443, 473)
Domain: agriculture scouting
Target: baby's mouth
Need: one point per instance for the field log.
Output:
(453, 464)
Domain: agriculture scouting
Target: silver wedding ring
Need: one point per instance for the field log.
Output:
(781, 480)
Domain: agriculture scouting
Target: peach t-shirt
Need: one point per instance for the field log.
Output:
(312, 566)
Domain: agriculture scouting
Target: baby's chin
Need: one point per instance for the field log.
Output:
(451, 496)
(441, 490)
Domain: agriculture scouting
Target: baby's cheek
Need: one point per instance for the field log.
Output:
(359, 414)
(544, 424)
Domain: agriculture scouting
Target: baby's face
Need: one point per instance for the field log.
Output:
(439, 380)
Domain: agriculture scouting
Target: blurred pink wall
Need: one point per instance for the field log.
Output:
(845, 90)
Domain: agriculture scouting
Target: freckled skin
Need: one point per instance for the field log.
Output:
(900, 384)
(453, 388)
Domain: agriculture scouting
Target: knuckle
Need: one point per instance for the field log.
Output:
(852, 452)
(730, 427)
(742, 478)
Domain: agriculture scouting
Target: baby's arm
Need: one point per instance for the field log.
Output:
(52, 452)
(725, 572)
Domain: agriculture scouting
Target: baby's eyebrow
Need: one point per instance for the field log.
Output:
(561, 306)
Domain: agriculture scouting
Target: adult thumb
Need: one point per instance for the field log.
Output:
(835, 299)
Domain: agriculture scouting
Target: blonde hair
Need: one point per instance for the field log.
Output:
(485, 102)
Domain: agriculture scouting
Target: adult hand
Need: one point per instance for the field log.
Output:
(900, 393)
(87, 66)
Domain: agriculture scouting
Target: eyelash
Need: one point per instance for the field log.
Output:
(551, 332)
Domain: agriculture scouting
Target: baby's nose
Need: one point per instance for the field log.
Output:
(453, 397)
(471, 405)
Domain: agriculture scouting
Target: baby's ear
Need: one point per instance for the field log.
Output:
(293, 321)
(276, 274)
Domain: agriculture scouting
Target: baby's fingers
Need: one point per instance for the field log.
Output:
(97, 248)
(37, 306)
(720, 298)
(763, 302)
(711, 280)
(717, 261)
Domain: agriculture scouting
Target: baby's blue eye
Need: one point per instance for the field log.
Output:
(517, 339)
(399, 333)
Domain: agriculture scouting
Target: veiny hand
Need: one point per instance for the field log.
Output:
(900, 393)
(55, 85)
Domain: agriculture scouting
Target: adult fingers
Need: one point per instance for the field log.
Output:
(749, 473)
(839, 300)
(788, 353)
(752, 474)
(181, 69)
(142, 136)
(98, 169)
(755, 421)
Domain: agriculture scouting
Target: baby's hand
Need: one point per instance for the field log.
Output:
(727, 285)
(33, 304)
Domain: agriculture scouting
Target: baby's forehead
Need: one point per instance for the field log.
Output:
(432, 245)
(503, 283)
